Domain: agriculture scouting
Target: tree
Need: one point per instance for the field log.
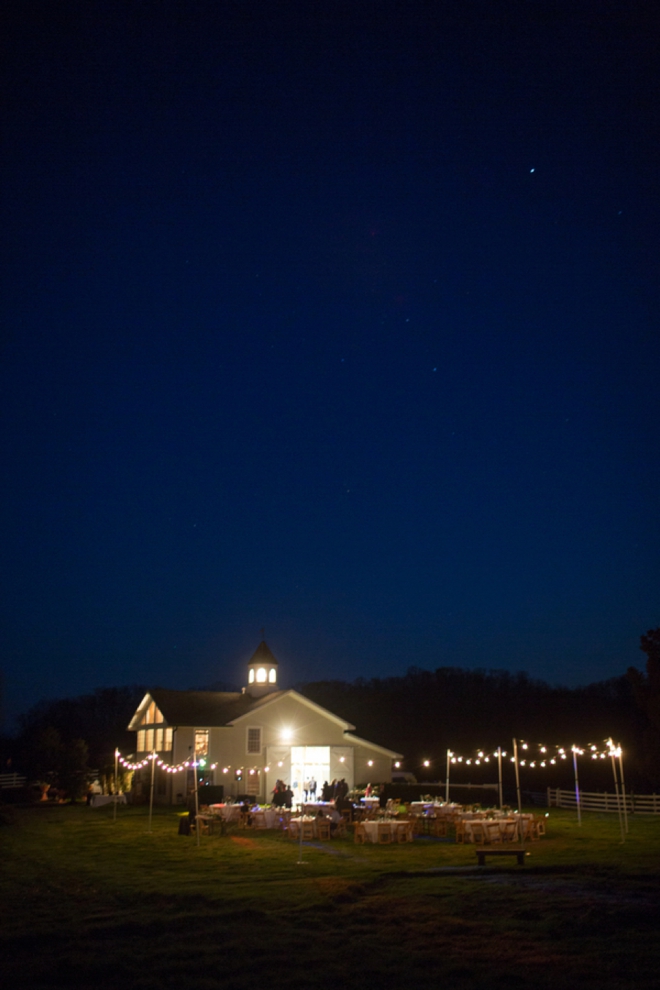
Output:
(646, 688)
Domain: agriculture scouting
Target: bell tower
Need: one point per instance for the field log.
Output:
(262, 672)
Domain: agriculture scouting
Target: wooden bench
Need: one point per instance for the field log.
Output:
(487, 851)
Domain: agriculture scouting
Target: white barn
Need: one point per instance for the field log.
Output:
(250, 739)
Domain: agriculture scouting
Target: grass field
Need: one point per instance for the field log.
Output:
(88, 902)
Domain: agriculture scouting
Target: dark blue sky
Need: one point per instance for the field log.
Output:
(337, 318)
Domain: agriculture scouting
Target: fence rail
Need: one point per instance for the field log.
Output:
(8, 780)
(640, 804)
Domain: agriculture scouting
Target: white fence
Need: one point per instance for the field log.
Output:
(8, 780)
(640, 804)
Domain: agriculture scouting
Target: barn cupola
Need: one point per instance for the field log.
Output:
(262, 672)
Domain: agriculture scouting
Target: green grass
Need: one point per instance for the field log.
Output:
(87, 902)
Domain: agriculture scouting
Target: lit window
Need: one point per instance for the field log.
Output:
(261, 675)
(251, 677)
(141, 741)
(272, 675)
(201, 743)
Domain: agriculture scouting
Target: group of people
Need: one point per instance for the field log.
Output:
(336, 791)
(282, 795)
(309, 788)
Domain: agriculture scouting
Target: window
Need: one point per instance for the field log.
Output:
(251, 677)
(141, 741)
(261, 675)
(254, 740)
(201, 743)
(272, 676)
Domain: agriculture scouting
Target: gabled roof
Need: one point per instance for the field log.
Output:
(374, 746)
(218, 708)
(275, 695)
(208, 708)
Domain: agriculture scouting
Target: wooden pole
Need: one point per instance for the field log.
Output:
(521, 824)
(577, 786)
(198, 827)
(114, 814)
(616, 788)
(447, 784)
(153, 777)
(623, 786)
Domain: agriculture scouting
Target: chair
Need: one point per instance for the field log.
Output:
(478, 831)
(539, 825)
(529, 828)
(404, 832)
(360, 834)
(384, 833)
(509, 831)
(460, 830)
(492, 832)
(293, 831)
(347, 815)
(418, 824)
(438, 826)
(258, 819)
(308, 830)
(323, 830)
(203, 825)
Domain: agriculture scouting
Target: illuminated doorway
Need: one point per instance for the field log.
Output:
(309, 763)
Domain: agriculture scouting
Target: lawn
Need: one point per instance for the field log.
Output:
(89, 902)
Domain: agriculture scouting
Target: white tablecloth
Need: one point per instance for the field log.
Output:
(495, 830)
(98, 800)
(230, 812)
(271, 816)
(371, 829)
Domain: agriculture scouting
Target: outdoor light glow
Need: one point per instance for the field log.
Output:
(427, 763)
(266, 769)
(286, 735)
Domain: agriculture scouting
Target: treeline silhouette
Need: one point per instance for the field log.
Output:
(424, 713)
(420, 714)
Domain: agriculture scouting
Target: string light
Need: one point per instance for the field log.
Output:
(544, 758)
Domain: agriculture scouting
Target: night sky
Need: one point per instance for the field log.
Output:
(339, 319)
